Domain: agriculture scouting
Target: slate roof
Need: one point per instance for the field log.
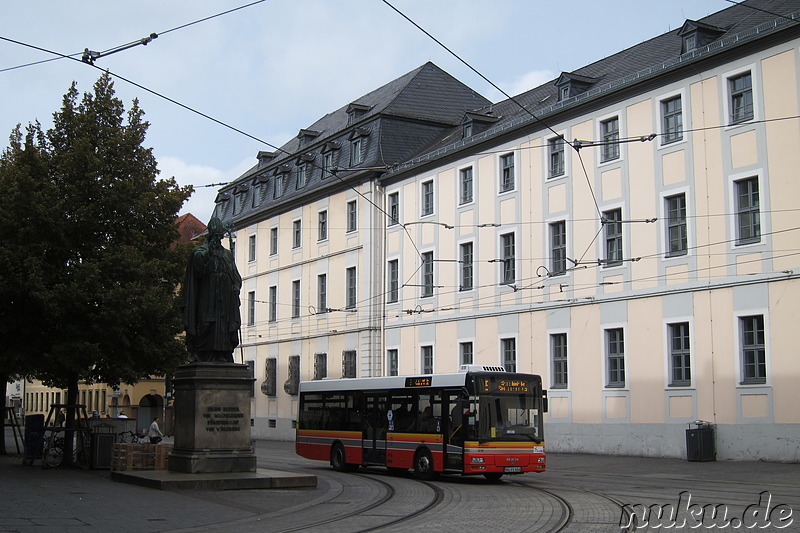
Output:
(740, 23)
(397, 120)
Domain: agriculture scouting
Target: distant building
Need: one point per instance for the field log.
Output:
(627, 231)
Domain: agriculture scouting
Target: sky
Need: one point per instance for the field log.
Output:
(275, 67)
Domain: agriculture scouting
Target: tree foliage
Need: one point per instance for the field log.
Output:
(87, 270)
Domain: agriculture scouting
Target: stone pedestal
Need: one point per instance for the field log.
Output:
(212, 419)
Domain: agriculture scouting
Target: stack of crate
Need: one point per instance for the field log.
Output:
(128, 457)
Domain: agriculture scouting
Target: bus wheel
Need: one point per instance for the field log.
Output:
(493, 476)
(339, 461)
(423, 465)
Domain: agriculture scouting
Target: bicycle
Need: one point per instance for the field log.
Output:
(129, 437)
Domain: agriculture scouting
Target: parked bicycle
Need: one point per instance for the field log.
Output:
(129, 437)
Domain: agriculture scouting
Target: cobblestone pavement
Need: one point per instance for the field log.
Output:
(578, 493)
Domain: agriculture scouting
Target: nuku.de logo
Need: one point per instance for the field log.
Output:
(692, 515)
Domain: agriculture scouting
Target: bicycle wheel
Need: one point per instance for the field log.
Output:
(54, 453)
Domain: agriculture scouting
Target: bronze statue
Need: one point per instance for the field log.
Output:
(211, 299)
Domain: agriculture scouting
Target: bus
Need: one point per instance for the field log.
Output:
(480, 420)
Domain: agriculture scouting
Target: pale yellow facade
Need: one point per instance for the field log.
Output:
(632, 348)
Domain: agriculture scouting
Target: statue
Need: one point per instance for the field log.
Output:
(211, 300)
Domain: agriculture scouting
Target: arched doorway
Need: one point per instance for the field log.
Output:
(150, 406)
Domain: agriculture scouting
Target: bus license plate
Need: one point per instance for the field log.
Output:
(512, 469)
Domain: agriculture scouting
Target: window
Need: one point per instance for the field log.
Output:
(351, 288)
(392, 294)
(615, 357)
(671, 120)
(322, 293)
(251, 254)
(355, 152)
(352, 216)
(297, 234)
(258, 190)
(748, 218)
(392, 368)
(465, 185)
(609, 134)
(558, 248)
(741, 98)
(612, 224)
(270, 386)
(320, 365)
(753, 352)
(302, 176)
(394, 208)
(273, 304)
(465, 266)
(280, 183)
(273, 241)
(679, 355)
(349, 364)
(465, 353)
(239, 200)
(427, 274)
(556, 147)
(292, 384)
(426, 359)
(322, 226)
(506, 172)
(296, 298)
(427, 198)
(558, 355)
(467, 130)
(327, 165)
(251, 308)
(508, 274)
(509, 349)
(677, 243)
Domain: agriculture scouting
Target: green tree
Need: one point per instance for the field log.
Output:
(94, 275)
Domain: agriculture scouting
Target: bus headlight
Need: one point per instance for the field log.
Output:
(477, 459)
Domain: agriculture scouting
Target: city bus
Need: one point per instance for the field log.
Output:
(480, 420)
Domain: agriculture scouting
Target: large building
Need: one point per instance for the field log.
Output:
(625, 231)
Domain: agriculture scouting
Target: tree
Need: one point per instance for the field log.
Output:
(94, 278)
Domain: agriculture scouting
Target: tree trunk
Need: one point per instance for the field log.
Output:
(70, 423)
(4, 381)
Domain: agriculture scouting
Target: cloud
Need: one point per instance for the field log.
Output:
(201, 203)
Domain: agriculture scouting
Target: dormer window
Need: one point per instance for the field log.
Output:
(264, 157)
(329, 152)
(357, 143)
(474, 123)
(306, 136)
(570, 85)
(222, 200)
(281, 177)
(697, 34)
(356, 111)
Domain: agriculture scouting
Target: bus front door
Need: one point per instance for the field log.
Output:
(454, 432)
(374, 431)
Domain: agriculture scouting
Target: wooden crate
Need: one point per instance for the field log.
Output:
(140, 456)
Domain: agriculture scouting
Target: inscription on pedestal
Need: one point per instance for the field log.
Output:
(223, 418)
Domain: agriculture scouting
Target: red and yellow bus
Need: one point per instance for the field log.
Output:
(482, 420)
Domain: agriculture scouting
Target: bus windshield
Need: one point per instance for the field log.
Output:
(507, 417)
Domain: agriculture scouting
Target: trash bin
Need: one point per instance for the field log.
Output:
(102, 443)
(700, 442)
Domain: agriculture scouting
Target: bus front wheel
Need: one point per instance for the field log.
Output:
(339, 460)
(493, 476)
(423, 465)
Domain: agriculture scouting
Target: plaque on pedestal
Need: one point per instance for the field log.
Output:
(212, 419)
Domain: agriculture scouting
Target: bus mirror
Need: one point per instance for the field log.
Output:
(544, 401)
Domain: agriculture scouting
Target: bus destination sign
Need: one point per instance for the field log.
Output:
(423, 381)
(506, 385)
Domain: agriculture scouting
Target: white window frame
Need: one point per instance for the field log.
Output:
(501, 350)
(251, 308)
(550, 367)
(602, 240)
(500, 166)
(422, 359)
(460, 188)
(664, 195)
(604, 354)
(733, 224)
(726, 94)
(389, 349)
(549, 244)
(297, 234)
(546, 172)
(500, 252)
(352, 217)
(273, 240)
(322, 225)
(252, 249)
(422, 194)
(426, 290)
(619, 114)
(671, 321)
(460, 355)
(460, 267)
(390, 221)
(322, 293)
(737, 334)
(659, 117)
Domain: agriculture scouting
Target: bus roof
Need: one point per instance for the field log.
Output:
(457, 379)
